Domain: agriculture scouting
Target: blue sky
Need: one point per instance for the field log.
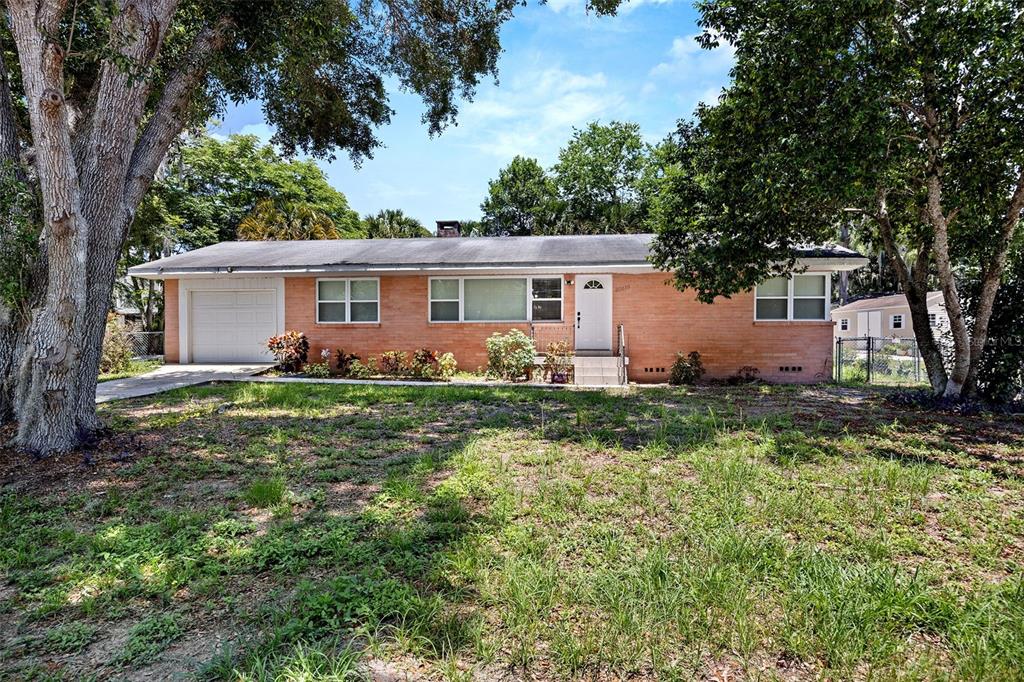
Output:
(560, 69)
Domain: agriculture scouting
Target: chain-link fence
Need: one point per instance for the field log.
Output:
(877, 360)
(146, 343)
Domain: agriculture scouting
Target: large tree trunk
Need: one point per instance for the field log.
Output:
(914, 280)
(91, 179)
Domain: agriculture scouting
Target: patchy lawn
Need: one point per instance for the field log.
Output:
(136, 367)
(269, 531)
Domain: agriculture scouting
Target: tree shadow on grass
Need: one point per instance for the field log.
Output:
(366, 548)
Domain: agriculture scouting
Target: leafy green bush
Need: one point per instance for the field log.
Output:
(291, 350)
(510, 356)
(392, 362)
(687, 369)
(318, 370)
(116, 354)
(363, 370)
(446, 367)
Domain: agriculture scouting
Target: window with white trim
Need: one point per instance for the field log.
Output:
(547, 299)
(347, 300)
(844, 324)
(896, 322)
(800, 297)
(495, 299)
(933, 319)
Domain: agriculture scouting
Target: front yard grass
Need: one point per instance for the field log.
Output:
(136, 367)
(283, 531)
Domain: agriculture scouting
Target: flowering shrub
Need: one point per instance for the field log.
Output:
(446, 367)
(510, 356)
(291, 350)
(392, 362)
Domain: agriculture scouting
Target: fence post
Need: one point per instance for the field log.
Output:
(871, 347)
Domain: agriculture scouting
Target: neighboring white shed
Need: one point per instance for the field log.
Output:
(885, 316)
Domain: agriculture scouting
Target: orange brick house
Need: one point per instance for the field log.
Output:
(598, 292)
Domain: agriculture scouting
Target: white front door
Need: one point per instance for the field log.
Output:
(869, 323)
(594, 312)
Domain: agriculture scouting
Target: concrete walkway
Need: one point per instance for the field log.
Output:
(170, 377)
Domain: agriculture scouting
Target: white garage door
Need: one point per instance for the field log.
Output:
(232, 326)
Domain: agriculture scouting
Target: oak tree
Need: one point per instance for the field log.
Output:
(92, 94)
(906, 114)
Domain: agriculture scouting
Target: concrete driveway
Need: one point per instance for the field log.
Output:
(170, 377)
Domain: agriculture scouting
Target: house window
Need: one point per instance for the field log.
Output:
(809, 294)
(897, 322)
(496, 299)
(547, 299)
(444, 300)
(773, 299)
(844, 324)
(801, 297)
(593, 284)
(347, 300)
(932, 319)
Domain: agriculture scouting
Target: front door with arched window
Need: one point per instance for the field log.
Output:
(594, 312)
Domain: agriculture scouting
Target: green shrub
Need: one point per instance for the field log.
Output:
(116, 355)
(318, 370)
(392, 362)
(687, 369)
(510, 356)
(446, 367)
(363, 370)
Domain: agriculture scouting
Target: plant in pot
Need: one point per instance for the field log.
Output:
(558, 362)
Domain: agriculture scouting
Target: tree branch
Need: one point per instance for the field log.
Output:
(168, 119)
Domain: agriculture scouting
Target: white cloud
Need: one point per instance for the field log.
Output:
(702, 73)
(534, 113)
(632, 5)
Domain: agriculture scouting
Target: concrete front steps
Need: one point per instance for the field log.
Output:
(596, 371)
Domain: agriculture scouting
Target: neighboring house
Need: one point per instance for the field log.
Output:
(450, 294)
(886, 317)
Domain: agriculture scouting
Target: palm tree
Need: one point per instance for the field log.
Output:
(393, 224)
(295, 220)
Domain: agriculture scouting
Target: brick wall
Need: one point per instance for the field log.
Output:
(171, 352)
(668, 321)
(658, 321)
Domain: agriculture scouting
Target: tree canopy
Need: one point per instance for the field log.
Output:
(92, 97)
(907, 114)
(602, 183)
(523, 200)
(393, 224)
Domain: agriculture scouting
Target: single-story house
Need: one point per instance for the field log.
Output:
(886, 317)
(600, 293)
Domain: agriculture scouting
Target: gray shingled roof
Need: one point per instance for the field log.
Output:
(426, 253)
